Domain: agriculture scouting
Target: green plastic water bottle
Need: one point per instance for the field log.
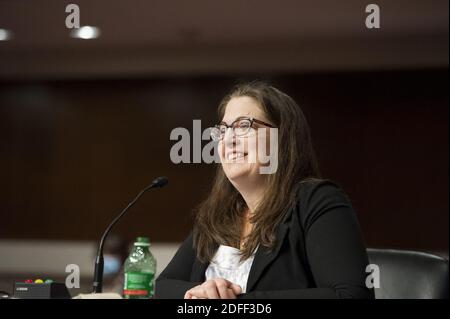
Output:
(140, 269)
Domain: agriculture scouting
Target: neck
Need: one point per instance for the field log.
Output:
(252, 194)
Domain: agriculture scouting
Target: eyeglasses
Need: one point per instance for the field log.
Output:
(241, 126)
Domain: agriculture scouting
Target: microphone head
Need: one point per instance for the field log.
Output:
(160, 181)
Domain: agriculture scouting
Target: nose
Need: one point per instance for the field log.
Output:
(230, 141)
(229, 138)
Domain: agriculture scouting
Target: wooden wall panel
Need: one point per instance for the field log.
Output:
(74, 153)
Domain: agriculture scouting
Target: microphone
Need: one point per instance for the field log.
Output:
(99, 262)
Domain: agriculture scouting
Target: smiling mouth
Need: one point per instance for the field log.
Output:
(236, 155)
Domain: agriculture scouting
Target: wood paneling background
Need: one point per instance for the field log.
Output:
(74, 153)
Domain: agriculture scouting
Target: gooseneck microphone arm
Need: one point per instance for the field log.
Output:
(99, 262)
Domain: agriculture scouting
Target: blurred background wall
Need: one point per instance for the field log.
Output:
(85, 124)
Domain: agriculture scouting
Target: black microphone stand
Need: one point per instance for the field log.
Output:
(99, 261)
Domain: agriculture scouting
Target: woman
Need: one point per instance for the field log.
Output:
(288, 234)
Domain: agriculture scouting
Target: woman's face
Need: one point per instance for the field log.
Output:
(239, 154)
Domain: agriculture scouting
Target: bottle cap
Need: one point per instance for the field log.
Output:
(142, 241)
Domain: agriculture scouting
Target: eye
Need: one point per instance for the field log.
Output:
(243, 124)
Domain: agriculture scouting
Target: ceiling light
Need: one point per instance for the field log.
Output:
(86, 33)
(5, 35)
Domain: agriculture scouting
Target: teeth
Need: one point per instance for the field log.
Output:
(233, 156)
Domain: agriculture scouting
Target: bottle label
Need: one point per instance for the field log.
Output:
(138, 284)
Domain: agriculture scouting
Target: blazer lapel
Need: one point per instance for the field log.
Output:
(264, 257)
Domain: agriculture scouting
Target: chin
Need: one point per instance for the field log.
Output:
(238, 172)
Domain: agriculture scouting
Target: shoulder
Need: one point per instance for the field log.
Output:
(315, 189)
(315, 197)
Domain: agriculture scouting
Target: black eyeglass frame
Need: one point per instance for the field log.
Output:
(233, 127)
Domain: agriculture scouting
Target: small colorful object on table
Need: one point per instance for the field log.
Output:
(38, 289)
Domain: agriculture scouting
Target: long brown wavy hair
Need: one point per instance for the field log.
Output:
(220, 217)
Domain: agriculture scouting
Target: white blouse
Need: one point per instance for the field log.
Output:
(226, 264)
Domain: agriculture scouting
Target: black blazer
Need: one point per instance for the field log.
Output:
(319, 253)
